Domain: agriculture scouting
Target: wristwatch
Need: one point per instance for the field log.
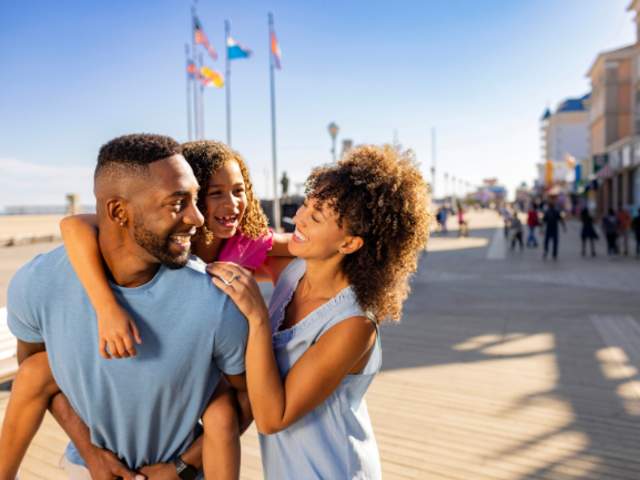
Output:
(184, 470)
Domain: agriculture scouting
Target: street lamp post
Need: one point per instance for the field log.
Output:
(446, 185)
(333, 133)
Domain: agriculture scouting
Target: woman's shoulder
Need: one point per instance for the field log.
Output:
(291, 274)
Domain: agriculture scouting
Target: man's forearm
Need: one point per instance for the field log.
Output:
(73, 425)
(193, 454)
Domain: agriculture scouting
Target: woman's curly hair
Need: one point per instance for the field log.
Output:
(205, 158)
(379, 194)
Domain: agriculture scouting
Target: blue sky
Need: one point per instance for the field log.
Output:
(75, 74)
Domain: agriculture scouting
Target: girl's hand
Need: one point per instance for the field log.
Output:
(117, 333)
(239, 284)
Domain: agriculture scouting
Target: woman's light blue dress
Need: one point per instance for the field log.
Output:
(334, 441)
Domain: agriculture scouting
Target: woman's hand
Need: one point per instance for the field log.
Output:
(239, 284)
(117, 333)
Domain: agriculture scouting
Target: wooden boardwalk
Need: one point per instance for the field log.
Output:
(492, 375)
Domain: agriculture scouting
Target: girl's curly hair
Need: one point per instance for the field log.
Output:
(205, 158)
(378, 194)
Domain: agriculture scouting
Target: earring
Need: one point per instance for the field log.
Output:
(208, 235)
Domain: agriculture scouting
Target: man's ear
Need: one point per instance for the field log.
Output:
(351, 244)
(117, 210)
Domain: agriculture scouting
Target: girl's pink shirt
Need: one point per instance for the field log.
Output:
(245, 251)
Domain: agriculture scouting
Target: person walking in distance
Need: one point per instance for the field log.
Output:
(624, 225)
(463, 227)
(552, 219)
(588, 232)
(635, 227)
(610, 228)
(516, 229)
(532, 222)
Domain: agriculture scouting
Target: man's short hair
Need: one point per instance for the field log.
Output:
(132, 154)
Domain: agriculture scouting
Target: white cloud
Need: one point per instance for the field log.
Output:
(23, 183)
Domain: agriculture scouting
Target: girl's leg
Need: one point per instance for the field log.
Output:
(30, 395)
(221, 446)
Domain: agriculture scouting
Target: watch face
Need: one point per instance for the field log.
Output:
(190, 473)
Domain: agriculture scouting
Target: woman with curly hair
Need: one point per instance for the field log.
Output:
(313, 353)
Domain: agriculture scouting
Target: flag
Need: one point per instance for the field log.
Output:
(275, 51)
(235, 50)
(200, 38)
(191, 69)
(213, 78)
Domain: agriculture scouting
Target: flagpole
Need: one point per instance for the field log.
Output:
(276, 198)
(201, 62)
(196, 109)
(433, 162)
(189, 83)
(227, 79)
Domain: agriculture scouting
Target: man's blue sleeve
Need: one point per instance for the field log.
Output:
(230, 340)
(21, 317)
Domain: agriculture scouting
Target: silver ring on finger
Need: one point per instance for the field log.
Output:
(234, 276)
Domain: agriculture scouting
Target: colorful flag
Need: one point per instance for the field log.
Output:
(191, 69)
(213, 78)
(235, 50)
(275, 51)
(200, 38)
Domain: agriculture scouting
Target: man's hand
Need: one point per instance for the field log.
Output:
(160, 471)
(104, 465)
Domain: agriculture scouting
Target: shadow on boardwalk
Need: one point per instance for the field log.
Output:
(533, 390)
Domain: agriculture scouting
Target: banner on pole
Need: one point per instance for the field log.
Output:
(201, 38)
(235, 50)
(212, 77)
(275, 51)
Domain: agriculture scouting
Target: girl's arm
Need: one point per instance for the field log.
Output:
(275, 403)
(280, 247)
(115, 326)
(277, 260)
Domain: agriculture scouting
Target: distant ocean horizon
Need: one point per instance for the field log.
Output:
(42, 209)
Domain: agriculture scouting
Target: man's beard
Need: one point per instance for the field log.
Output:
(157, 246)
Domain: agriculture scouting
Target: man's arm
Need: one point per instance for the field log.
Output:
(101, 463)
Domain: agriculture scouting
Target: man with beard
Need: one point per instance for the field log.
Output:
(144, 409)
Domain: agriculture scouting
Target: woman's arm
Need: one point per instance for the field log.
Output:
(343, 349)
(115, 327)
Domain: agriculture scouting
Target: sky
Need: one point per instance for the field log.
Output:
(74, 74)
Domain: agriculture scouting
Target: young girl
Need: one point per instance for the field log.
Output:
(312, 356)
(235, 230)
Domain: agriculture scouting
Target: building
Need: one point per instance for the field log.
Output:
(614, 125)
(564, 140)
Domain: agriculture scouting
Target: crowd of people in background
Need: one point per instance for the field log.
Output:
(548, 220)
(617, 227)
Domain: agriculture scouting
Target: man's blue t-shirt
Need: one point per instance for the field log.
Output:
(144, 409)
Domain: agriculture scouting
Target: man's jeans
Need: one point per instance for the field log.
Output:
(532, 241)
(553, 238)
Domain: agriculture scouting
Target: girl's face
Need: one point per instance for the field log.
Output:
(317, 233)
(226, 200)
